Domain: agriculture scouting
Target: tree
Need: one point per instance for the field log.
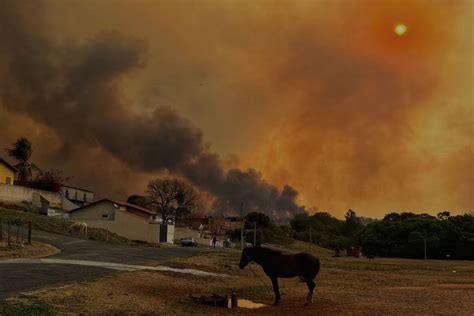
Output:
(137, 200)
(403, 235)
(352, 224)
(262, 220)
(443, 215)
(51, 180)
(21, 151)
(171, 198)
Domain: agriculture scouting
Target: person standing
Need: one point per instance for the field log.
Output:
(214, 241)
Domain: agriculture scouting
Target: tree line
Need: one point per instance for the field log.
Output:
(401, 235)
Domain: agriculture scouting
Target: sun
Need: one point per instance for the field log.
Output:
(400, 29)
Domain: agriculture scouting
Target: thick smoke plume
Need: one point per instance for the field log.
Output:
(320, 94)
(75, 90)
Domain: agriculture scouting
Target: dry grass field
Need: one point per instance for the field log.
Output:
(345, 286)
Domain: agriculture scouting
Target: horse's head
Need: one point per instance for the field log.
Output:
(246, 257)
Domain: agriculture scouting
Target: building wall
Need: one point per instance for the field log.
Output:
(102, 211)
(75, 194)
(136, 228)
(19, 194)
(6, 172)
(120, 222)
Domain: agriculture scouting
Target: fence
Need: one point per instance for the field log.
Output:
(15, 232)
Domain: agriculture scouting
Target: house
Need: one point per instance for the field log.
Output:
(76, 195)
(124, 219)
(7, 172)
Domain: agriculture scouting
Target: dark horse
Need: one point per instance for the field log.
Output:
(278, 265)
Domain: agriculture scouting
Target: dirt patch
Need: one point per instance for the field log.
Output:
(33, 251)
(457, 286)
(410, 288)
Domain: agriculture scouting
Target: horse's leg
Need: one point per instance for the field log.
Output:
(276, 289)
(311, 286)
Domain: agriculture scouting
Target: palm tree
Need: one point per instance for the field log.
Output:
(21, 151)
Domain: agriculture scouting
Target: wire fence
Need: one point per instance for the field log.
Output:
(14, 232)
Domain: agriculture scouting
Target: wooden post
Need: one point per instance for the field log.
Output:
(424, 242)
(234, 301)
(29, 232)
(242, 225)
(8, 233)
(255, 233)
(18, 225)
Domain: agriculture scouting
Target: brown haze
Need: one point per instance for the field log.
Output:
(320, 95)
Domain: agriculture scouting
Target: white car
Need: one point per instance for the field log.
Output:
(188, 242)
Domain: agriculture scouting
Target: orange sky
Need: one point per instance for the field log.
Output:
(322, 95)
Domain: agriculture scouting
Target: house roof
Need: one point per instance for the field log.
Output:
(139, 208)
(121, 203)
(10, 166)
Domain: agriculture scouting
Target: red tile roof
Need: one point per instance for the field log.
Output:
(139, 208)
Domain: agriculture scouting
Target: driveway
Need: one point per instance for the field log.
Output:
(20, 277)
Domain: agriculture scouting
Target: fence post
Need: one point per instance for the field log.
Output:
(255, 233)
(8, 233)
(29, 232)
(18, 224)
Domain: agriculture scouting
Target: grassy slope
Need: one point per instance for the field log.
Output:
(57, 225)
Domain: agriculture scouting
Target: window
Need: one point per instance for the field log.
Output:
(67, 194)
(8, 181)
(105, 215)
(85, 198)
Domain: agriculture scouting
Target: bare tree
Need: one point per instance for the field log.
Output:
(171, 198)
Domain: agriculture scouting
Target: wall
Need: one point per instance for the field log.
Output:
(170, 235)
(96, 212)
(18, 194)
(6, 172)
(76, 194)
(121, 222)
(135, 228)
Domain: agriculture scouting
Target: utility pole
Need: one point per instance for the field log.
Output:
(424, 235)
(255, 233)
(242, 225)
(424, 241)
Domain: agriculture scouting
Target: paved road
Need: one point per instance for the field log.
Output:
(15, 278)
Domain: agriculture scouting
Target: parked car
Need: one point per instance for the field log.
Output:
(188, 242)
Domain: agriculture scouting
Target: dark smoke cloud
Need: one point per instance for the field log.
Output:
(250, 188)
(75, 89)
